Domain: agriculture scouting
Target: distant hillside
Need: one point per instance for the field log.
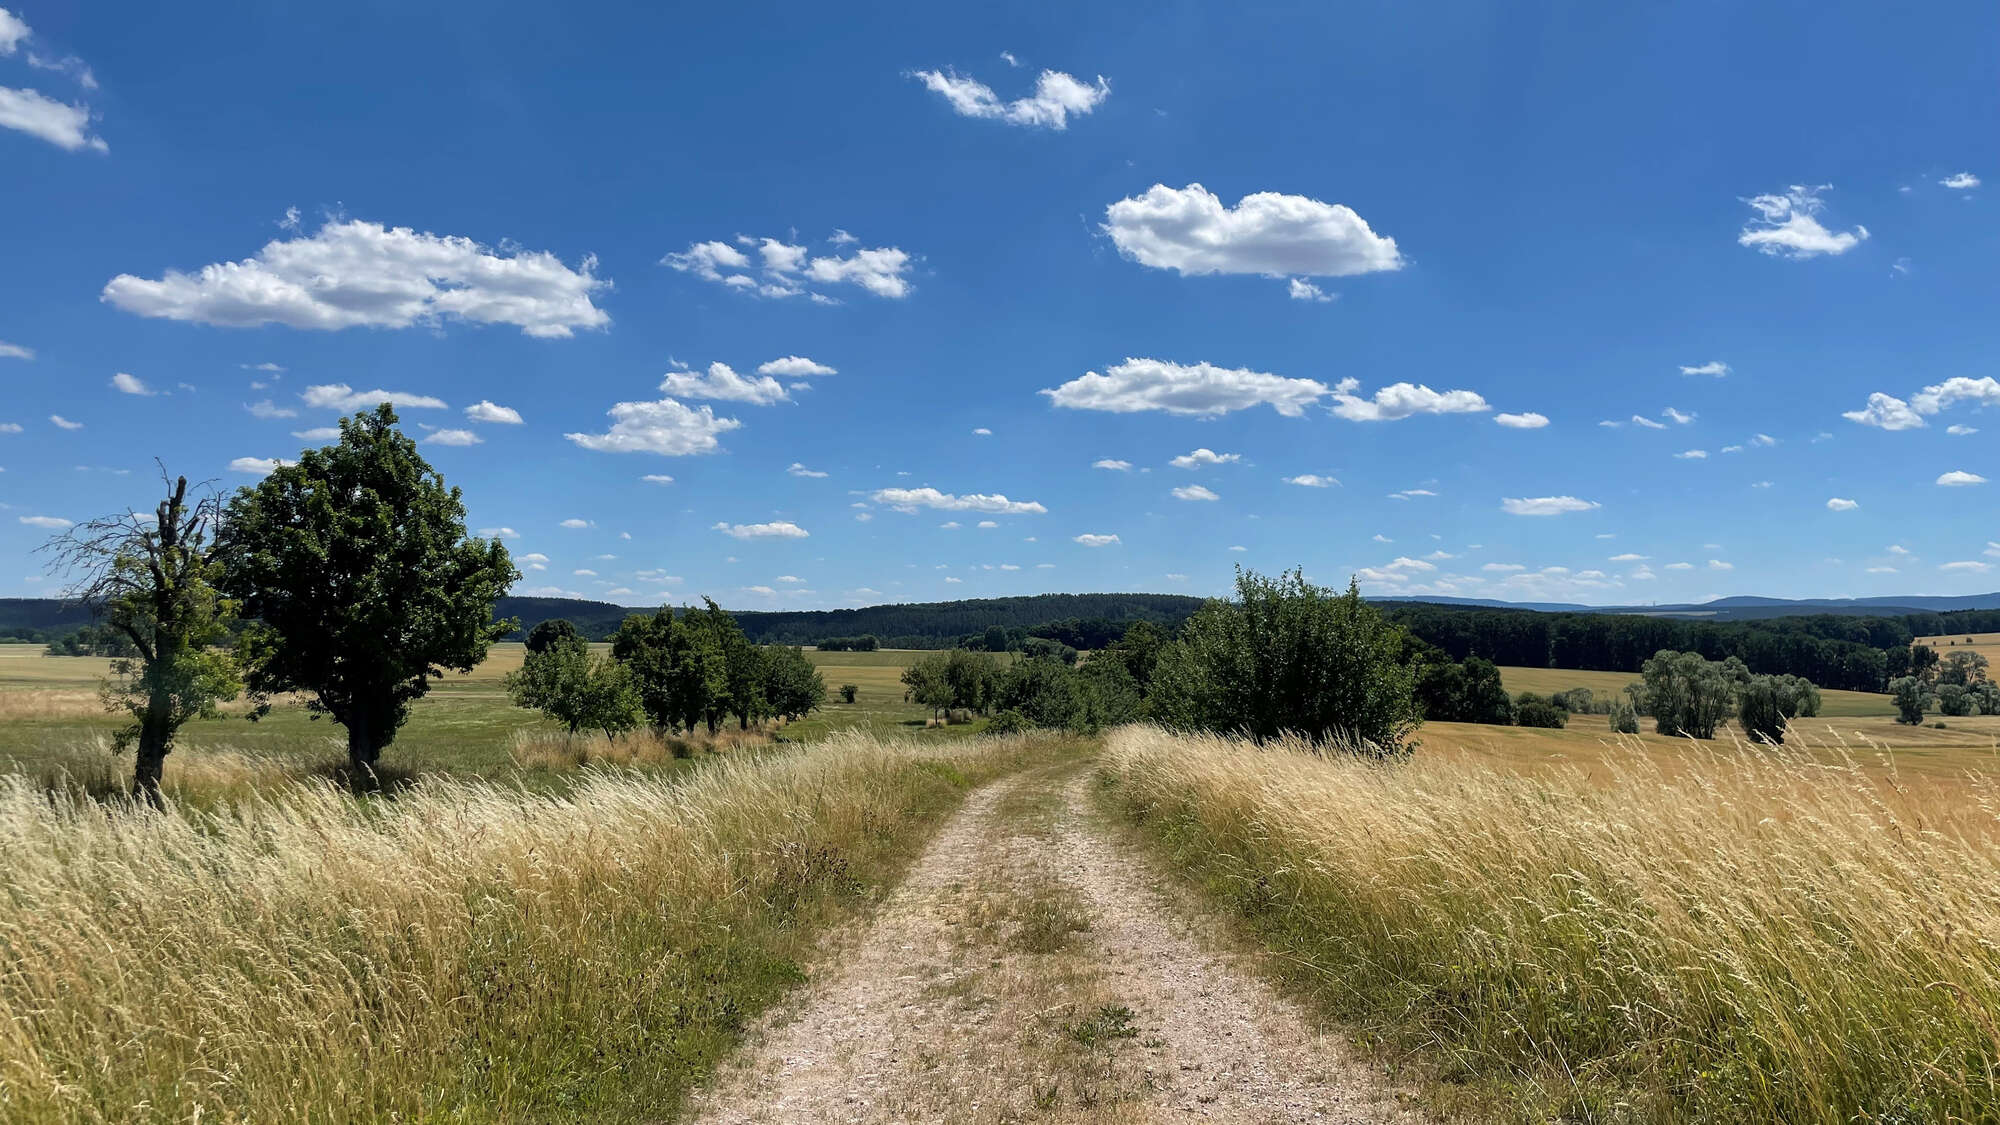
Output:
(1742, 608)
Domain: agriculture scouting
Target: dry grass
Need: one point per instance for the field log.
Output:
(464, 952)
(1749, 936)
(547, 750)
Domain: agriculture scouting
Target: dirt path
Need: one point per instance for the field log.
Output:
(1029, 969)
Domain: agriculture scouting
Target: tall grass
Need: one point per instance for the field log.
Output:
(463, 952)
(1742, 936)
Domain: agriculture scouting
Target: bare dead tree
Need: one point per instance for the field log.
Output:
(152, 578)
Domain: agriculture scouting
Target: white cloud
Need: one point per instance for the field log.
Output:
(667, 427)
(784, 269)
(799, 470)
(1882, 570)
(657, 478)
(1785, 226)
(1202, 389)
(1056, 99)
(1961, 431)
(1239, 548)
(1763, 439)
(1973, 565)
(1401, 400)
(1194, 492)
(910, 499)
(1090, 539)
(505, 533)
(1958, 477)
(1718, 564)
(48, 523)
(1732, 449)
(1112, 464)
(1546, 505)
(981, 431)
(341, 397)
(1528, 421)
(484, 411)
(1692, 455)
(576, 524)
(13, 32)
(779, 529)
(584, 573)
(724, 384)
(1411, 494)
(1191, 231)
(1302, 290)
(1961, 181)
(1676, 416)
(1886, 412)
(61, 124)
(1713, 367)
(452, 437)
(259, 466)
(1985, 391)
(987, 524)
(1642, 420)
(1841, 504)
(64, 423)
(266, 410)
(318, 433)
(1629, 557)
(358, 274)
(1502, 568)
(1381, 538)
(15, 351)
(1204, 456)
(10, 427)
(1312, 480)
(794, 366)
(131, 385)
(1680, 566)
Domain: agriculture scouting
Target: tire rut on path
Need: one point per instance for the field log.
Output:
(1029, 969)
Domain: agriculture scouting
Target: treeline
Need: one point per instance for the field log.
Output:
(673, 671)
(1852, 653)
(941, 625)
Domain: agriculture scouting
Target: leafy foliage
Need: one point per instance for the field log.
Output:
(546, 634)
(356, 566)
(576, 687)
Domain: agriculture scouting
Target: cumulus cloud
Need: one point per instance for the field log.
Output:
(131, 385)
(1091, 539)
(910, 499)
(266, 409)
(60, 123)
(1311, 480)
(15, 351)
(1204, 456)
(452, 437)
(1112, 464)
(1401, 400)
(1190, 230)
(1959, 477)
(1302, 290)
(1886, 412)
(1546, 505)
(484, 411)
(1841, 504)
(1194, 492)
(722, 383)
(341, 397)
(13, 32)
(794, 366)
(779, 529)
(1527, 421)
(1961, 181)
(357, 274)
(783, 269)
(668, 427)
(1713, 367)
(1787, 225)
(798, 469)
(1201, 389)
(1057, 97)
(575, 523)
(258, 466)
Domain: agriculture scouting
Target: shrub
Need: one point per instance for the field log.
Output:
(1760, 711)
(848, 692)
(1911, 696)
(1289, 656)
(1008, 722)
(1624, 719)
(1953, 699)
(1531, 710)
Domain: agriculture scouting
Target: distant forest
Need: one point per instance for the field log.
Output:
(1860, 653)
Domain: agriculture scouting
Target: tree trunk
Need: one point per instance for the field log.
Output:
(362, 754)
(743, 720)
(151, 760)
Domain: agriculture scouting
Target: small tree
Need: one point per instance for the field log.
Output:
(155, 581)
(356, 566)
(1911, 696)
(1986, 697)
(1531, 710)
(1962, 668)
(1760, 709)
(1954, 699)
(577, 688)
(546, 634)
(677, 664)
(848, 692)
(1289, 657)
(792, 686)
(1688, 695)
(996, 638)
(1624, 719)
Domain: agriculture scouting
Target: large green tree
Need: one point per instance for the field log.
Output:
(678, 665)
(1287, 656)
(356, 566)
(154, 579)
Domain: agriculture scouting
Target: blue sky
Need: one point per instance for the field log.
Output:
(1378, 282)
